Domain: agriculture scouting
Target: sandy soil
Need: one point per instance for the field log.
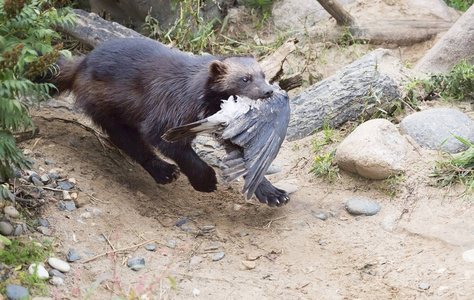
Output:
(270, 253)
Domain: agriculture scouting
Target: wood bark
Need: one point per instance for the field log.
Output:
(365, 87)
(343, 18)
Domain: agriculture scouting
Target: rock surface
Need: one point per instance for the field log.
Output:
(435, 129)
(374, 150)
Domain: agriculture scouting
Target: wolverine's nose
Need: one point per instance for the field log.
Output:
(268, 92)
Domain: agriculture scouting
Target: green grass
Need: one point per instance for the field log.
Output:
(461, 5)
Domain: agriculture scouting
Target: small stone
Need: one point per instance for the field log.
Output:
(322, 242)
(48, 162)
(196, 292)
(207, 227)
(249, 265)
(6, 228)
(237, 207)
(61, 206)
(27, 152)
(70, 205)
(16, 173)
(44, 178)
(243, 233)
(80, 201)
(57, 273)
(468, 255)
(288, 185)
(195, 260)
(44, 230)
(59, 265)
(43, 222)
(86, 215)
(72, 256)
(11, 211)
(37, 182)
(362, 207)
(39, 270)
(136, 263)
(273, 169)
(57, 281)
(74, 196)
(54, 176)
(72, 180)
(322, 216)
(150, 247)
(424, 286)
(171, 244)
(14, 292)
(18, 230)
(218, 256)
(181, 222)
(66, 195)
(65, 185)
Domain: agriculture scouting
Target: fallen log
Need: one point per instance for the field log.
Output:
(370, 84)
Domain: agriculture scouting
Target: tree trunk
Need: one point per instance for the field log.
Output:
(365, 87)
(343, 18)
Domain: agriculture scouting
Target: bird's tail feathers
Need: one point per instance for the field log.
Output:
(181, 132)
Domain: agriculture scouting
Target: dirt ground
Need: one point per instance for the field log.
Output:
(270, 253)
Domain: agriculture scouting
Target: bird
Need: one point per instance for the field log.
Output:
(251, 132)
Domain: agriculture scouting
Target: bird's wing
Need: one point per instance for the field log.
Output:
(260, 132)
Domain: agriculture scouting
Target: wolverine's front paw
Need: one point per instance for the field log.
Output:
(205, 182)
(162, 171)
(267, 193)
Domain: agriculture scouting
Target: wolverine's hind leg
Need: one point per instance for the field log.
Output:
(129, 140)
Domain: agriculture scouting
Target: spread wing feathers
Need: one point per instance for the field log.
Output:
(260, 133)
(252, 132)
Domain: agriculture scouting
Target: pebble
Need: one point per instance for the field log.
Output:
(11, 211)
(57, 281)
(322, 216)
(97, 212)
(72, 180)
(181, 222)
(362, 207)
(64, 185)
(59, 265)
(18, 230)
(61, 206)
(218, 256)
(150, 247)
(54, 272)
(72, 256)
(273, 169)
(39, 270)
(243, 233)
(195, 260)
(14, 292)
(424, 286)
(468, 255)
(16, 173)
(44, 230)
(196, 292)
(136, 263)
(44, 178)
(70, 205)
(37, 181)
(6, 228)
(171, 244)
(74, 196)
(207, 227)
(54, 176)
(249, 265)
(66, 195)
(48, 162)
(289, 185)
(86, 215)
(43, 222)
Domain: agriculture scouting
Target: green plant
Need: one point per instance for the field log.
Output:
(458, 169)
(27, 54)
(462, 5)
(392, 184)
(20, 252)
(329, 137)
(323, 166)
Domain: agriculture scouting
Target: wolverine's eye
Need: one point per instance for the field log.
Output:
(245, 79)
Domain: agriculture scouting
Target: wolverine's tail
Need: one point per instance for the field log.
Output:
(62, 74)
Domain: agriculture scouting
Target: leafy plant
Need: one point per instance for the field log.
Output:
(26, 41)
(24, 252)
(459, 169)
(324, 166)
(462, 5)
(329, 137)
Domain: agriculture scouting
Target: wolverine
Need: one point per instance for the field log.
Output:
(137, 89)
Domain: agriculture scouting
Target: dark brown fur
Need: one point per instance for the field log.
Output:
(136, 89)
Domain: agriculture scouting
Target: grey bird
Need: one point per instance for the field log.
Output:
(251, 132)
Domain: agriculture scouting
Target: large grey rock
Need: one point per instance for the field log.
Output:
(456, 44)
(435, 129)
(348, 94)
(374, 150)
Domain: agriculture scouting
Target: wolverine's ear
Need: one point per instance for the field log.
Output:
(217, 69)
